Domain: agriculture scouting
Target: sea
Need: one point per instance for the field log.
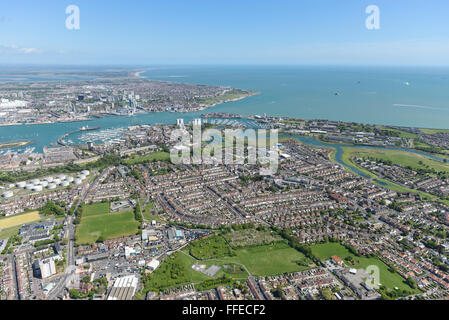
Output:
(399, 96)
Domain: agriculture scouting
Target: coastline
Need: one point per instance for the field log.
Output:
(138, 74)
(201, 108)
(15, 144)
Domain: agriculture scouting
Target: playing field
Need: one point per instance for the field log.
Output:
(154, 156)
(19, 219)
(107, 226)
(177, 269)
(270, 260)
(95, 209)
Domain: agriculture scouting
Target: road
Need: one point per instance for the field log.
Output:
(69, 274)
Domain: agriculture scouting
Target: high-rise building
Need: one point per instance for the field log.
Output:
(44, 268)
(180, 123)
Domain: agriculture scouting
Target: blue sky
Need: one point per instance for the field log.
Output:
(412, 32)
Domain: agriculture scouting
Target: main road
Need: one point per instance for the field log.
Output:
(69, 274)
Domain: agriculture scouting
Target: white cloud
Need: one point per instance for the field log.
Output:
(17, 49)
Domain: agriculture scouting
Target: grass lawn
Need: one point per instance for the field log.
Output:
(387, 278)
(175, 271)
(148, 213)
(11, 231)
(324, 251)
(208, 248)
(19, 219)
(107, 226)
(402, 134)
(403, 158)
(251, 237)
(432, 131)
(95, 209)
(270, 260)
(154, 156)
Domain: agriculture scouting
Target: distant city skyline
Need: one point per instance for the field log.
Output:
(320, 32)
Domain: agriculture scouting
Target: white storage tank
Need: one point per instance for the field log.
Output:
(64, 184)
(49, 179)
(44, 183)
(61, 176)
(51, 186)
(29, 186)
(10, 186)
(57, 181)
(37, 188)
(35, 181)
(21, 184)
(77, 181)
(85, 172)
(69, 179)
(7, 194)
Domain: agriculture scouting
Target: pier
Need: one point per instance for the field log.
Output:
(61, 140)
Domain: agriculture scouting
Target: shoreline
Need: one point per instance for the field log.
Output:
(203, 108)
(138, 74)
(14, 144)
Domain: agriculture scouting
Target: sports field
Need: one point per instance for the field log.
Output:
(177, 269)
(154, 156)
(95, 209)
(104, 225)
(269, 260)
(20, 219)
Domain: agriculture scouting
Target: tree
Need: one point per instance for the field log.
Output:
(411, 282)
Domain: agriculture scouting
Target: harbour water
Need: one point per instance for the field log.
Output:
(416, 97)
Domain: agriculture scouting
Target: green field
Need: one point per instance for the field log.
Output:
(387, 278)
(11, 231)
(400, 133)
(177, 270)
(95, 209)
(270, 260)
(211, 247)
(403, 158)
(154, 156)
(250, 237)
(19, 219)
(324, 251)
(148, 213)
(105, 226)
(432, 131)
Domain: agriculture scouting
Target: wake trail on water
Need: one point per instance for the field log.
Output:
(418, 106)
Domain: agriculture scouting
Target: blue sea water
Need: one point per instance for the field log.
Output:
(395, 96)
(417, 97)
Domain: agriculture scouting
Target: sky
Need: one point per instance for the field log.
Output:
(149, 32)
